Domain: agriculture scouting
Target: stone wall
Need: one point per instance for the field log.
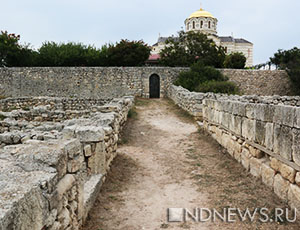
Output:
(111, 82)
(260, 82)
(51, 172)
(192, 101)
(261, 133)
(82, 82)
(52, 103)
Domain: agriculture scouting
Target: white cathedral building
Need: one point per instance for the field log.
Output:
(204, 22)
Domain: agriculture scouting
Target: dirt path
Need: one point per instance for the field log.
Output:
(165, 162)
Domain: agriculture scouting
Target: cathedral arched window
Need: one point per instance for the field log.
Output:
(209, 24)
(201, 24)
(193, 25)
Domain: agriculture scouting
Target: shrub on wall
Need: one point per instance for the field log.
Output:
(201, 78)
(235, 61)
(289, 60)
(218, 87)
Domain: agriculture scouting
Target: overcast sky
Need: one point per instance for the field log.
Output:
(269, 24)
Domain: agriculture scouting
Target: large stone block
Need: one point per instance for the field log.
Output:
(89, 133)
(250, 110)
(297, 118)
(255, 167)
(281, 187)
(245, 158)
(264, 112)
(236, 125)
(296, 146)
(288, 115)
(226, 119)
(283, 141)
(275, 164)
(267, 174)
(287, 172)
(248, 129)
(294, 196)
(72, 148)
(269, 137)
(239, 109)
(260, 132)
(278, 114)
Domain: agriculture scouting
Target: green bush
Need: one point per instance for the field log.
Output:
(201, 78)
(198, 74)
(235, 61)
(218, 87)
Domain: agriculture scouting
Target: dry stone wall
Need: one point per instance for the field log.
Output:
(51, 172)
(260, 82)
(261, 133)
(192, 101)
(111, 82)
(83, 82)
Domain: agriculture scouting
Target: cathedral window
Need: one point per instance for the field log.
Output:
(209, 24)
(201, 24)
(193, 25)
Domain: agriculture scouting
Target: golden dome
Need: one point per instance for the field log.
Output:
(201, 13)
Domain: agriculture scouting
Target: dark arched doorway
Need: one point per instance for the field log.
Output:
(154, 86)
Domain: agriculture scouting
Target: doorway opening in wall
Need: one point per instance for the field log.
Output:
(154, 86)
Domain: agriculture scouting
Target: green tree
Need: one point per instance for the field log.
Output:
(128, 53)
(14, 54)
(68, 54)
(235, 61)
(289, 60)
(191, 47)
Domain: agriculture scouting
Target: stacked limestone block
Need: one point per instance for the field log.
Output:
(192, 101)
(264, 138)
(52, 103)
(53, 183)
(189, 101)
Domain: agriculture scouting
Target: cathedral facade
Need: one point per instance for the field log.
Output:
(204, 22)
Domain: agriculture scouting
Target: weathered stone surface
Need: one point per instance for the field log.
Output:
(255, 167)
(283, 141)
(296, 146)
(89, 133)
(275, 164)
(87, 149)
(256, 152)
(248, 129)
(245, 158)
(267, 174)
(269, 137)
(287, 172)
(281, 187)
(297, 178)
(91, 191)
(260, 132)
(294, 196)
